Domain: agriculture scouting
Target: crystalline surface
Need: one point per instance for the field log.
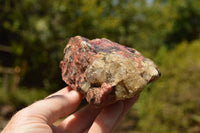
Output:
(105, 71)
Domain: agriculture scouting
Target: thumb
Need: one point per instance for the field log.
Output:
(54, 107)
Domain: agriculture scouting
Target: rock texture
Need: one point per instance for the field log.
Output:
(105, 71)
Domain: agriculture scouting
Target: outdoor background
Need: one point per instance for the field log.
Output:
(33, 34)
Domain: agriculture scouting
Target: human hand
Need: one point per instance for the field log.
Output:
(40, 116)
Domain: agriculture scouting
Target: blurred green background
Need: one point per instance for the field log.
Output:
(33, 34)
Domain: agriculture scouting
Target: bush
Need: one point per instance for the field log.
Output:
(171, 104)
(173, 101)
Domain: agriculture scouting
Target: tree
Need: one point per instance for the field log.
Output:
(186, 26)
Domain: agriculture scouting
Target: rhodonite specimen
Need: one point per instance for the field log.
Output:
(105, 71)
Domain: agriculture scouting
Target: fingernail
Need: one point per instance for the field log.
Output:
(74, 93)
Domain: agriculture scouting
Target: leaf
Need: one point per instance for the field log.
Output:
(196, 118)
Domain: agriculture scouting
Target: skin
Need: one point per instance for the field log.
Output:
(40, 116)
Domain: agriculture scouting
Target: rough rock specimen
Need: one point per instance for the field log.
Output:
(105, 71)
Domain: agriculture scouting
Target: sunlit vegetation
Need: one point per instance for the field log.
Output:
(33, 34)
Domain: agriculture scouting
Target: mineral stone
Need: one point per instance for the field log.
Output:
(105, 71)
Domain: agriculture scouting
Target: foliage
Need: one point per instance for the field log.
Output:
(37, 29)
(187, 23)
(21, 98)
(172, 103)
